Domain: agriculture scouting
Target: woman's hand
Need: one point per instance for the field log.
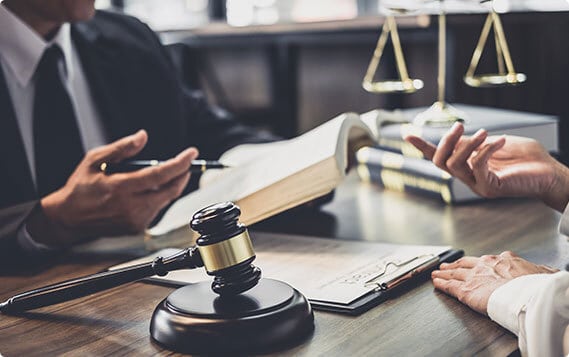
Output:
(500, 166)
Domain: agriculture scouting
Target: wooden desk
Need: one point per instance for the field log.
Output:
(420, 322)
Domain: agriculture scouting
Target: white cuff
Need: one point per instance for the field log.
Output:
(508, 301)
(27, 243)
(547, 318)
(564, 223)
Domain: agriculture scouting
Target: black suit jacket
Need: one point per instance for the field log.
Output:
(135, 86)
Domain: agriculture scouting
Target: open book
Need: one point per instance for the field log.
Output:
(266, 179)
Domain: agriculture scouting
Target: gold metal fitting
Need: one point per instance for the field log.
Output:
(506, 75)
(227, 253)
(404, 84)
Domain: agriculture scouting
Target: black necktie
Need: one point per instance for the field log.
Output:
(57, 144)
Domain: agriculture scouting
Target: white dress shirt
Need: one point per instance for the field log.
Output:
(21, 50)
(535, 308)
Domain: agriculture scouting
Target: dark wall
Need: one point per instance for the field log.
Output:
(539, 44)
(293, 82)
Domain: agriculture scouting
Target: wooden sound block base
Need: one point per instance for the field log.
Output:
(194, 319)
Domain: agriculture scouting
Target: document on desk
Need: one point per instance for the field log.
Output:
(334, 271)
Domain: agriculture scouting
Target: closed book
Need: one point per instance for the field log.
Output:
(541, 127)
(408, 174)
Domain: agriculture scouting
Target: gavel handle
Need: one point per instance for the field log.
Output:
(76, 288)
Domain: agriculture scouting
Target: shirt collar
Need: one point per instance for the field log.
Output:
(22, 48)
(63, 40)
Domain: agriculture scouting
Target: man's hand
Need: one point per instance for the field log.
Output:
(500, 166)
(92, 204)
(472, 280)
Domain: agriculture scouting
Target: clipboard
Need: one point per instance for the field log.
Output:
(369, 273)
(403, 281)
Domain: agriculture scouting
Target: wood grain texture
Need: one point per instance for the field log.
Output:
(420, 322)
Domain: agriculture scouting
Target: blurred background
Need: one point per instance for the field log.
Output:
(289, 65)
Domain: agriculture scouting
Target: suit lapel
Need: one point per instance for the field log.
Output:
(16, 182)
(131, 86)
(105, 65)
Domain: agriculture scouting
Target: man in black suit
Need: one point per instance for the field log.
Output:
(76, 81)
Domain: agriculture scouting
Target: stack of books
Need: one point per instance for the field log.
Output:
(397, 165)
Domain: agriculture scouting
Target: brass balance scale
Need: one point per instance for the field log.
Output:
(441, 113)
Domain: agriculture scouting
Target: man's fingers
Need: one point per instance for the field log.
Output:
(152, 178)
(508, 254)
(450, 287)
(464, 262)
(120, 149)
(425, 147)
(446, 146)
(167, 193)
(451, 274)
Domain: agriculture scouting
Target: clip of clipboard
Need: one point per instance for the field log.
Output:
(385, 281)
(388, 284)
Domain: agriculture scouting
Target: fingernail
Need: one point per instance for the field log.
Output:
(190, 152)
(456, 125)
(479, 132)
(500, 141)
(138, 137)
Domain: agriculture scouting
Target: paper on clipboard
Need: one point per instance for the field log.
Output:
(329, 270)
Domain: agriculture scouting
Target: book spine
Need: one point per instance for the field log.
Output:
(400, 181)
(390, 160)
(400, 173)
(399, 146)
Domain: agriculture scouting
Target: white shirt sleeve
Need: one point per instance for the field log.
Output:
(536, 308)
(564, 223)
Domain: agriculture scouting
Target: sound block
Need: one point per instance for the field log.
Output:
(194, 319)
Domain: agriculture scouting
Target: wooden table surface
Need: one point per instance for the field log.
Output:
(419, 322)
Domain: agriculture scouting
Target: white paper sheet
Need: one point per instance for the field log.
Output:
(329, 270)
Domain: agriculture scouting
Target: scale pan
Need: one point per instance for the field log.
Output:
(408, 86)
(495, 80)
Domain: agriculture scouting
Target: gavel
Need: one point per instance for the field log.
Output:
(224, 249)
(247, 312)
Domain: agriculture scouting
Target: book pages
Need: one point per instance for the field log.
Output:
(273, 163)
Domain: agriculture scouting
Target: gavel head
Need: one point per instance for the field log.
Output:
(226, 249)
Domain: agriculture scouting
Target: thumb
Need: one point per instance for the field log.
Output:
(121, 149)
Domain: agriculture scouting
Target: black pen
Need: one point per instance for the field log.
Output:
(129, 166)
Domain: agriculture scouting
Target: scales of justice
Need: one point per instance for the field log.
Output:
(441, 114)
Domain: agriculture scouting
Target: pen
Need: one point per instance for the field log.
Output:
(428, 265)
(86, 285)
(129, 166)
